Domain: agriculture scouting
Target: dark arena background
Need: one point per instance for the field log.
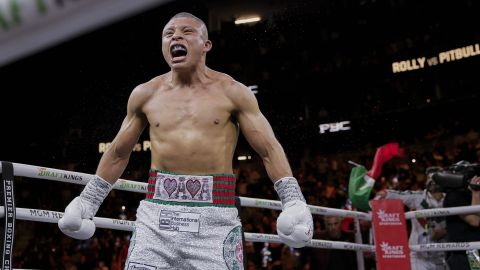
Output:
(336, 80)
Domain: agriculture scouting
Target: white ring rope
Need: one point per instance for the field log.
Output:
(445, 246)
(317, 210)
(71, 177)
(141, 187)
(440, 212)
(271, 238)
(48, 216)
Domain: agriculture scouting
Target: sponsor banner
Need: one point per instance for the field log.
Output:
(433, 213)
(64, 176)
(390, 232)
(7, 195)
(131, 186)
(268, 203)
(446, 246)
(145, 146)
(44, 215)
(259, 237)
(179, 221)
(441, 58)
(334, 127)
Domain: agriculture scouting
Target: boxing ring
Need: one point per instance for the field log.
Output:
(48, 216)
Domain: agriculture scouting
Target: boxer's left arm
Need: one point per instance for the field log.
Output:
(294, 225)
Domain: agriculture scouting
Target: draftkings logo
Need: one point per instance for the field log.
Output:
(45, 172)
(389, 218)
(392, 252)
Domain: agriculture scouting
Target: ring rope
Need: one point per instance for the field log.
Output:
(315, 243)
(440, 212)
(32, 171)
(317, 210)
(141, 187)
(40, 215)
(445, 246)
(48, 216)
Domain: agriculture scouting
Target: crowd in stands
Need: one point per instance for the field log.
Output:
(323, 178)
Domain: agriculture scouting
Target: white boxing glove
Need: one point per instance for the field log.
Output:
(77, 219)
(295, 223)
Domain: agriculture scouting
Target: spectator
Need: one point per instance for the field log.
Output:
(333, 259)
(423, 230)
(462, 228)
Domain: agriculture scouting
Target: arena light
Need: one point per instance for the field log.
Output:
(244, 157)
(245, 20)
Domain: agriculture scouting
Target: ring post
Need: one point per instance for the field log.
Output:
(8, 201)
(359, 240)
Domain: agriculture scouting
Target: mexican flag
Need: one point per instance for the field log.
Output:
(359, 187)
(361, 181)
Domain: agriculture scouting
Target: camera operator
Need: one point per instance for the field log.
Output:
(423, 230)
(462, 185)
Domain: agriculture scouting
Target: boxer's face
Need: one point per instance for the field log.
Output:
(184, 42)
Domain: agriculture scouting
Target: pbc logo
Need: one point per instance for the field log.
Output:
(334, 127)
(140, 266)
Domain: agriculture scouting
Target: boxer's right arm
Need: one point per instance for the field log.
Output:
(76, 221)
(115, 159)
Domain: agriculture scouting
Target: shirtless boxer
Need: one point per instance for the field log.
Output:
(189, 219)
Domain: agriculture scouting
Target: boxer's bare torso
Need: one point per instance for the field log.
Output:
(193, 128)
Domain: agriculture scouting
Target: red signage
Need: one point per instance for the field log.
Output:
(390, 232)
